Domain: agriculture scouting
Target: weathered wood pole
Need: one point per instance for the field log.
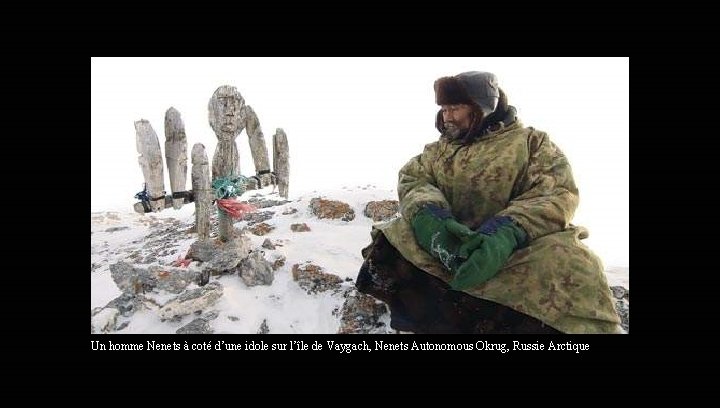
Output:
(281, 161)
(258, 148)
(226, 116)
(202, 190)
(176, 154)
(168, 202)
(151, 162)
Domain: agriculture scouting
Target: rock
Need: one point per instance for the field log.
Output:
(264, 329)
(261, 229)
(619, 292)
(313, 280)
(104, 321)
(255, 270)
(623, 310)
(261, 202)
(220, 256)
(127, 304)
(192, 300)
(331, 209)
(201, 325)
(622, 305)
(257, 217)
(299, 227)
(279, 262)
(114, 229)
(141, 279)
(289, 211)
(382, 210)
(267, 244)
(361, 314)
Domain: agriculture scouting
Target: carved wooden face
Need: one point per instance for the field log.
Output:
(225, 112)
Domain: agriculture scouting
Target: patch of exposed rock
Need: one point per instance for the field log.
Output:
(114, 229)
(361, 314)
(261, 202)
(299, 227)
(313, 280)
(264, 329)
(201, 325)
(382, 210)
(114, 316)
(220, 257)
(127, 303)
(255, 270)
(331, 209)
(279, 262)
(257, 217)
(103, 320)
(622, 304)
(261, 229)
(141, 279)
(192, 300)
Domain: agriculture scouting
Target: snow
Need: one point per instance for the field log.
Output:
(332, 244)
(349, 122)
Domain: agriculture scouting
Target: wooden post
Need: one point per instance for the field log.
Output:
(151, 163)
(168, 202)
(258, 148)
(226, 116)
(202, 190)
(176, 154)
(281, 161)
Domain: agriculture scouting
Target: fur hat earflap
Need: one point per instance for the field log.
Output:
(450, 91)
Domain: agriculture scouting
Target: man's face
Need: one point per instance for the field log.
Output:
(456, 118)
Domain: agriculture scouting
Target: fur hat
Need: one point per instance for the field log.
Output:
(472, 88)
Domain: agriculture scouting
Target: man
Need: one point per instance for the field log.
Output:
(485, 244)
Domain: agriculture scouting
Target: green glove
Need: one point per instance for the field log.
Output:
(438, 233)
(488, 251)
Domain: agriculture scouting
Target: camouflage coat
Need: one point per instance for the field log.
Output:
(518, 172)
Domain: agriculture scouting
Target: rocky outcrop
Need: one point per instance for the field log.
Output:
(331, 209)
(313, 280)
(299, 227)
(261, 229)
(622, 304)
(264, 329)
(381, 210)
(201, 325)
(142, 279)
(191, 301)
(219, 256)
(361, 314)
(255, 270)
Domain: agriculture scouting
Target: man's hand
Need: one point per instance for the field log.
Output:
(438, 233)
(487, 251)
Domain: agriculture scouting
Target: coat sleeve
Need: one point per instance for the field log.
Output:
(417, 185)
(546, 197)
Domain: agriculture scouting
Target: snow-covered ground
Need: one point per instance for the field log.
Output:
(282, 307)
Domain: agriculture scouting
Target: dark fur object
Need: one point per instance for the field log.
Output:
(423, 304)
(450, 91)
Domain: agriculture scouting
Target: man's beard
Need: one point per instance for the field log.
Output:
(454, 132)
